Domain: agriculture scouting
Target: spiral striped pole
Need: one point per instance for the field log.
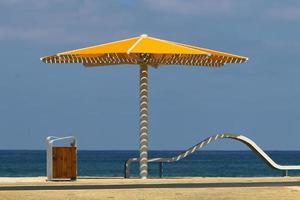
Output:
(143, 121)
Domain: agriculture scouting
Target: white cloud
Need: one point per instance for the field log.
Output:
(54, 20)
(194, 7)
(285, 13)
(20, 33)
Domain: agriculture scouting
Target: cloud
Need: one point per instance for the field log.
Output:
(285, 13)
(54, 20)
(21, 33)
(80, 22)
(193, 7)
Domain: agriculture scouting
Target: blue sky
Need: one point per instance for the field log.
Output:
(259, 99)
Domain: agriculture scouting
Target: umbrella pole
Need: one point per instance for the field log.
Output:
(143, 121)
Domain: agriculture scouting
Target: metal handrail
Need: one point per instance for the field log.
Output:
(251, 144)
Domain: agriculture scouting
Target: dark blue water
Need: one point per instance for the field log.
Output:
(14, 163)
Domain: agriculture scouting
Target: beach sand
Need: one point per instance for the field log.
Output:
(171, 188)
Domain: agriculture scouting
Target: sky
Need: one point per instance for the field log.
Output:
(99, 106)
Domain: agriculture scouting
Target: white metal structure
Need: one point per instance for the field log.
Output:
(50, 143)
(247, 141)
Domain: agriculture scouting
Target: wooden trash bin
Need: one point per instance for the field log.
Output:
(64, 162)
(61, 161)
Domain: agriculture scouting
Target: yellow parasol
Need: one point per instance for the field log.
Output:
(144, 51)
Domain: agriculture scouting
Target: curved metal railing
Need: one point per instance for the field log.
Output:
(251, 144)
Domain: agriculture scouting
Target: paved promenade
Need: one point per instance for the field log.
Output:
(172, 188)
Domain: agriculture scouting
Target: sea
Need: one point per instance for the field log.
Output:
(30, 163)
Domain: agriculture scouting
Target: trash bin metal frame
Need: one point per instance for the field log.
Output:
(50, 143)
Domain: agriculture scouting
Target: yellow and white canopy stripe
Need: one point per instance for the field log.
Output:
(155, 61)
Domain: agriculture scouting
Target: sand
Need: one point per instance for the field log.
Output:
(172, 188)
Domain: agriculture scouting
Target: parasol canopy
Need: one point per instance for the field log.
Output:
(145, 50)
